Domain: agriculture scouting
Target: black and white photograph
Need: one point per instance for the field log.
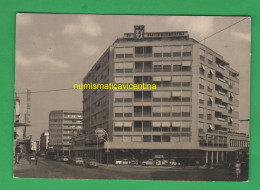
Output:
(132, 97)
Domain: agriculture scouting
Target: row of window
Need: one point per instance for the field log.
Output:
(156, 96)
(160, 81)
(239, 143)
(210, 73)
(149, 138)
(155, 111)
(149, 51)
(149, 66)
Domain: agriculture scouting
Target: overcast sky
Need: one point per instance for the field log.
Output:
(54, 51)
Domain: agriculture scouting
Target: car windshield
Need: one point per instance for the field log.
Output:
(78, 158)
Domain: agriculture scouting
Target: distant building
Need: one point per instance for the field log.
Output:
(62, 125)
(191, 116)
(44, 141)
(35, 146)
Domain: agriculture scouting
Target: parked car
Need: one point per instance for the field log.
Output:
(90, 163)
(64, 159)
(149, 162)
(118, 162)
(125, 162)
(33, 157)
(165, 162)
(78, 161)
(133, 162)
(173, 162)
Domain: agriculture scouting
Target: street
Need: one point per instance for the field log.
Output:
(53, 169)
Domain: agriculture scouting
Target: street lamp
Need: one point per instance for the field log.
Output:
(100, 134)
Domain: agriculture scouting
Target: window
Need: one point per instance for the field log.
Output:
(137, 138)
(201, 98)
(147, 138)
(186, 51)
(176, 81)
(166, 66)
(166, 111)
(147, 96)
(129, 66)
(147, 111)
(186, 96)
(128, 96)
(210, 86)
(176, 96)
(119, 96)
(186, 66)
(176, 126)
(209, 114)
(201, 113)
(129, 52)
(148, 51)
(167, 51)
(166, 81)
(137, 126)
(176, 51)
(210, 73)
(176, 66)
(166, 138)
(186, 111)
(119, 67)
(138, 67)
(147, 126)
(157, 51)
(119, 111)
(138, 111)
(176, 111)
(156, 138)
(138, 80)
(202, 54)
(202, 69)
(119, 52)
(186, 81)
(157, 66)
(157, 111)
(138, 96)
(139, 51)
(201, 83)
(210, 59)
(147, 66)
(185, 126)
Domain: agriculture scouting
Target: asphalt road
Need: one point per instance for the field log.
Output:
(53, 169)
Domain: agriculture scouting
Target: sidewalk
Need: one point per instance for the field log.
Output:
(23, 164)
(154, 167)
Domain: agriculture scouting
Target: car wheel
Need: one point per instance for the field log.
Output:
(143, 164)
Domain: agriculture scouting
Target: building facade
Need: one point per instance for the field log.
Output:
(44, 141)
(192, 115)
(62, 125)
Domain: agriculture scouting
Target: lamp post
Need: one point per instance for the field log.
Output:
(100, 134)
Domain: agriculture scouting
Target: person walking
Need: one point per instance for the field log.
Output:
(238, 169)
(17, 153)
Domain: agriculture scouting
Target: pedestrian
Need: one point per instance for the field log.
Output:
(17, 153)
(238, 169)
(36, 159)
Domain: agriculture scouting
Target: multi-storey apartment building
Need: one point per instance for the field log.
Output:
(44, 141)
(62, 125)
(192, 115)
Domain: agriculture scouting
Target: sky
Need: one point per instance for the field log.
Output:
(54, 51)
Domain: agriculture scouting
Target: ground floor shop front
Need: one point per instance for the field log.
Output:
(185, 157)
